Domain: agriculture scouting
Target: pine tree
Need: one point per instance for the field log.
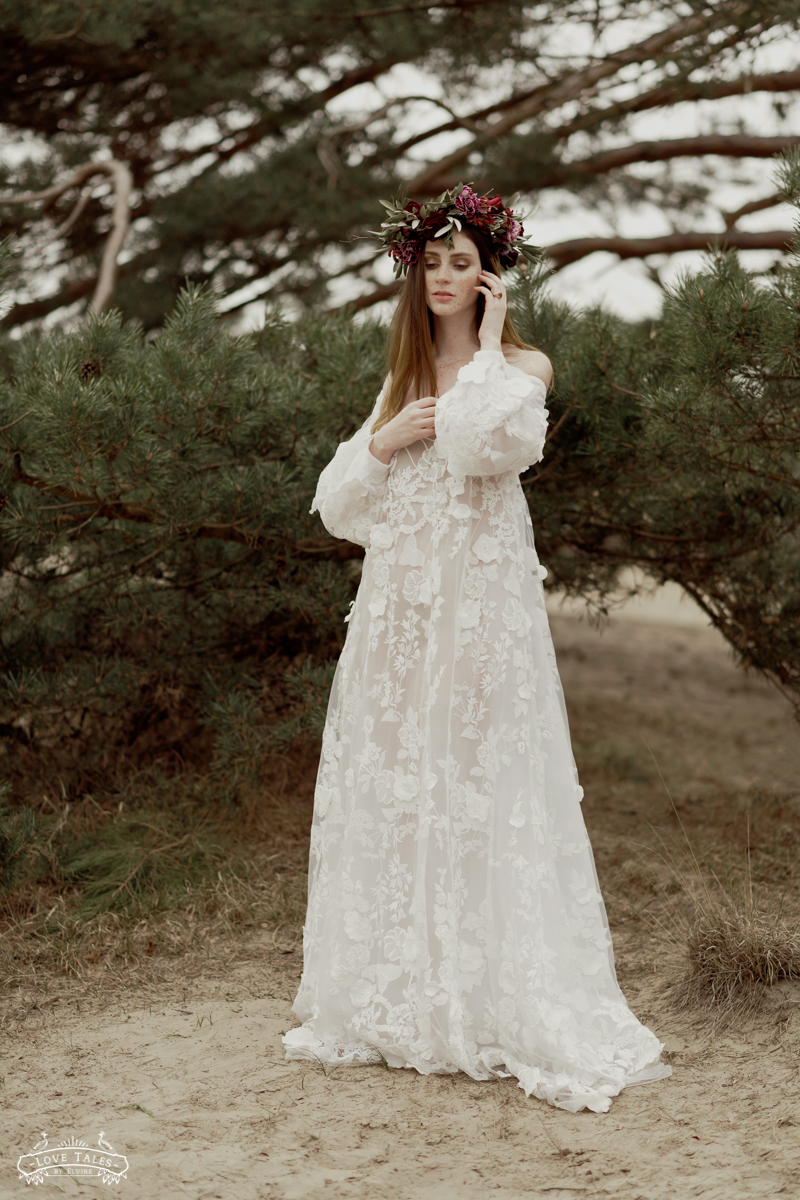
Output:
(166, 597)
(674, 447)
(252, 141)
(157, 549)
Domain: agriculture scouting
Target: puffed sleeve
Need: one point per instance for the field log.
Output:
(350, 490)
(493, 420)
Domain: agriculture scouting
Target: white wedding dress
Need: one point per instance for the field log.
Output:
(454, 917)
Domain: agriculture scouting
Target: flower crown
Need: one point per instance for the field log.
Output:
(409, 225)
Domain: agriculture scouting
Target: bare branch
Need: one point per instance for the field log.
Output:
(660, 97)
(463, 5)
(251, 135)
(734, 146)
(123, 185)
(11, 424)
(33, 310)
(70, 33)
(63, 229)
(564, 253)
(730, 218)
(326, 147)
(561, 174)
(553, 94)
(665, 96)
(106, 280)
(568, 252)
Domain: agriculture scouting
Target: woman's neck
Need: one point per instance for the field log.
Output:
(455, 338)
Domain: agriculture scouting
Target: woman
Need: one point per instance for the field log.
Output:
(454, 917)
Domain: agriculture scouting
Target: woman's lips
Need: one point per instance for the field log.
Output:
(443, 296)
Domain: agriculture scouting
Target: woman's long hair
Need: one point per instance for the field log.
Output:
(411, 365)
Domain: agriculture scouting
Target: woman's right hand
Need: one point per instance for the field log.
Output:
(416, 420)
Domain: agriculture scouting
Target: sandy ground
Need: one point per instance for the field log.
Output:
(185, 1074)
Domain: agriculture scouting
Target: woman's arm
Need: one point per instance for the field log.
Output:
(350, 491)
(494, 419)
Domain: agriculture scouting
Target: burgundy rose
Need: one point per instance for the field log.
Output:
(407, 252)
(433, 223)
(468, 202)
(508, 258)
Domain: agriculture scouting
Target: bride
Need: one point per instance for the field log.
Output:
(454, 917)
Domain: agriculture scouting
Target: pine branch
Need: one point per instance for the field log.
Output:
(386, 292)
(664, 96)
(733, 146)
(730, 218)
(571, 85)
(118, 510)
(564, 253)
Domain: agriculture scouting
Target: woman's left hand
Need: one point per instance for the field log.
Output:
(492, 288)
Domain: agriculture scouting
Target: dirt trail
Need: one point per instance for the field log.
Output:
(186, 1076)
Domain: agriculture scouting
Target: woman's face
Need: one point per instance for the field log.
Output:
(451, 275)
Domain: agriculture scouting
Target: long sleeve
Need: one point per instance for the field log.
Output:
(350, 490)
(493, 419)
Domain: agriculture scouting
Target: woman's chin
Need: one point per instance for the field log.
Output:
(445, 308)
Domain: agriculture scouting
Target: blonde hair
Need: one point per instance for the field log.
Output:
(410, 363)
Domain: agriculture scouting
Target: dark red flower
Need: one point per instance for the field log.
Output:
(433, 222)
(407, 252)
(468, 202)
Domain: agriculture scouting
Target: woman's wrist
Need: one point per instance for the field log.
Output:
(379, 449)
(492, 343)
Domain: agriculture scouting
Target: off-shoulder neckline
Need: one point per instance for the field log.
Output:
(466, 364)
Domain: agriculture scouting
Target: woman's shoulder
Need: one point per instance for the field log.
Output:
(532, 362)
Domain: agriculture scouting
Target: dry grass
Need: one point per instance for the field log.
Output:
(49, 944)
(732, 940)
(113, 948)
(735, 950)
(726, 940)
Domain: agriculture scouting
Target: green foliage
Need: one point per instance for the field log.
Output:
(169, 604)
(135, 863)
(674, 447)
(17, 832)
(155, 536)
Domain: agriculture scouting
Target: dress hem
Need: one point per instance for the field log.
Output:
(493, 1063)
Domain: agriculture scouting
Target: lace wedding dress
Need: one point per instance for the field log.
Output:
(454, 917)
